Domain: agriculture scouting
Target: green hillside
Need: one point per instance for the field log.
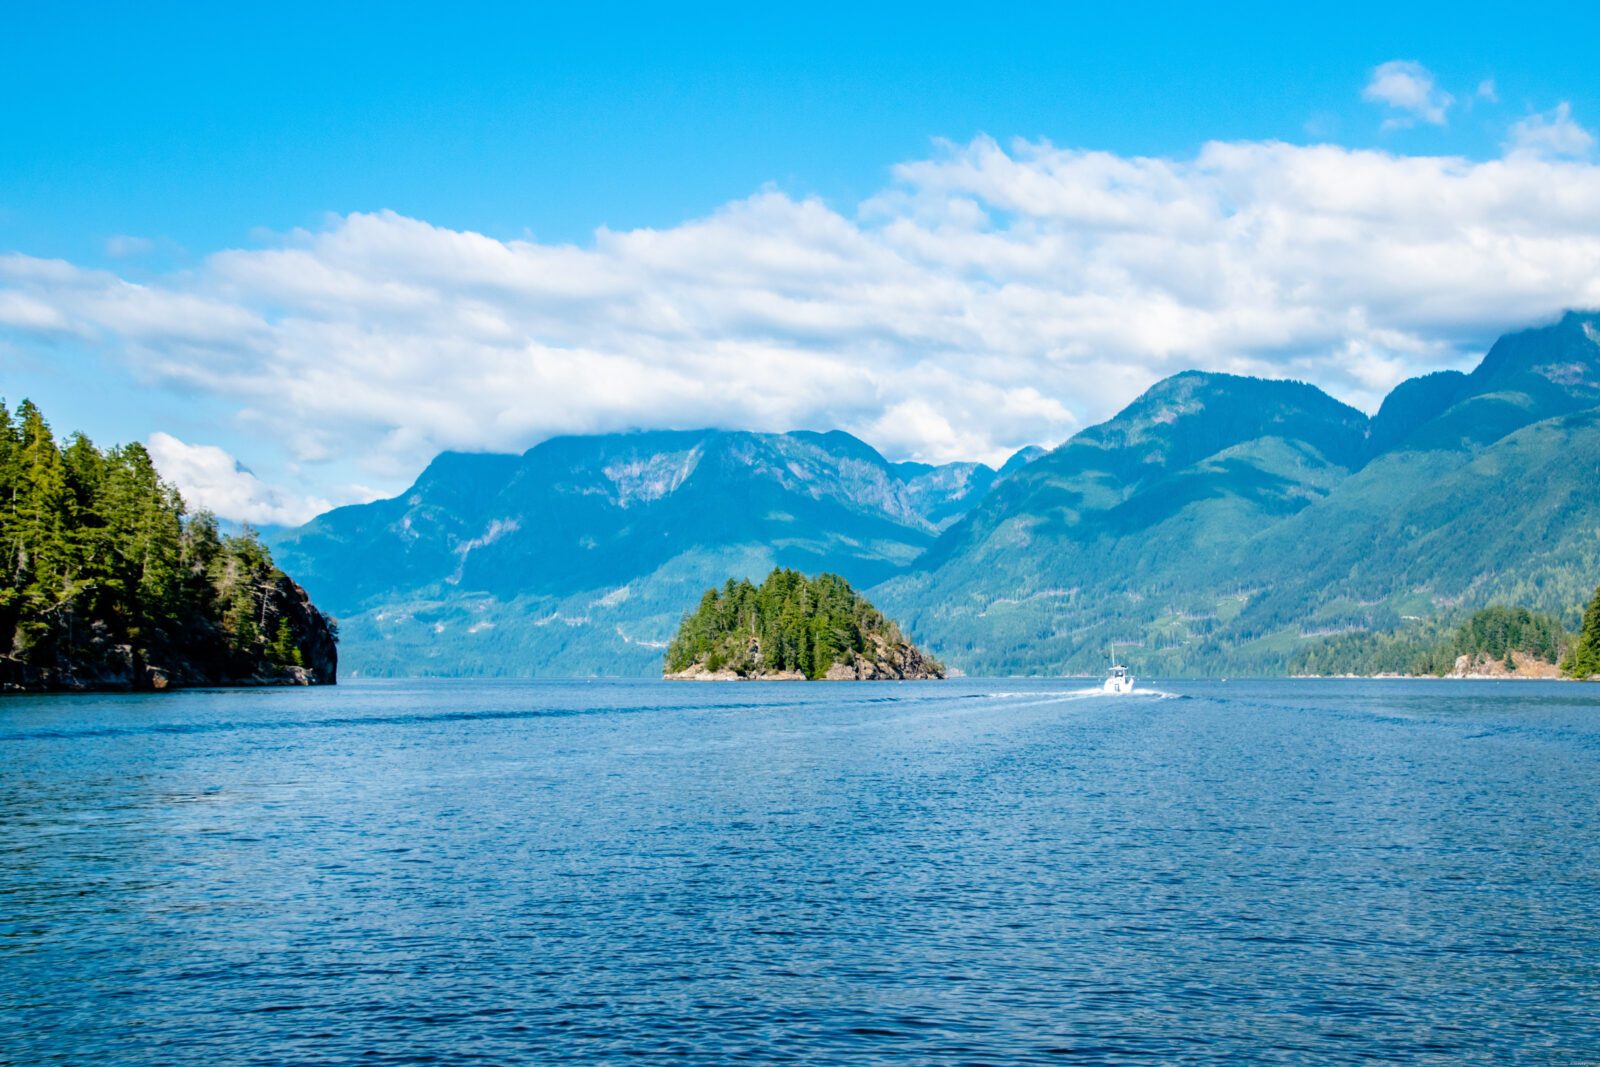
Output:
(1494, 634)
(1128, 535)
(1219, 525)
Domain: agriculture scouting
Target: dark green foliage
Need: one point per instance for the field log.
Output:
(788, 623)
(1498, 631)
(1493, 633)
(96, 556)
(283, 651)
(1584, 659)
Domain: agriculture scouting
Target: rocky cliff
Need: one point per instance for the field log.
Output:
(99, 654)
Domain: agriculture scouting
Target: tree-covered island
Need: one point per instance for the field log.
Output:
(793, 627)
(106, 583)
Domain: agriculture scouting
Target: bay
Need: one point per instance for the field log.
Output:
(970, 871)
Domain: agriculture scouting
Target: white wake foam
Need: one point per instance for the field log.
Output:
(1093, 692)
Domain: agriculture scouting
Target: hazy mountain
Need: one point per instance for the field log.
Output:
(1218, 522)
(581, 555)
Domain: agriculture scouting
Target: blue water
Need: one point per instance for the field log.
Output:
(959, 872)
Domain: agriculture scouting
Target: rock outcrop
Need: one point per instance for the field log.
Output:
(884, 661)
(1487, 666)
(91, 655)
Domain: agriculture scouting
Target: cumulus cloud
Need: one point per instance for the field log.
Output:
(1551, 135)
(1408, 87)
(1487, 91)
(990, 296)
(212, 480)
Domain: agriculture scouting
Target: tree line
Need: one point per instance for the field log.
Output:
(1493, 633)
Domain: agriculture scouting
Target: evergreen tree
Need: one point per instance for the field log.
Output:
(37, 547)
(1584, 659)
(1495, 632)
(283, 650)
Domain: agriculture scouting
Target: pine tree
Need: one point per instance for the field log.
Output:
(283, 651)
(1584, 659)
(37, 550)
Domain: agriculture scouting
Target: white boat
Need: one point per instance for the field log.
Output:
(1118, 680)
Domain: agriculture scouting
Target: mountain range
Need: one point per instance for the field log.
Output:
(1217, 524)
(581, 555)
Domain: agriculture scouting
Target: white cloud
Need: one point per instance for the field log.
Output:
(989, 297)
(123, 246)
(1550, 135)
(1487, 91)
(1408, 87)
(210, 479)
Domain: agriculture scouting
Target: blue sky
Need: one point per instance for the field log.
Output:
(150, 120)
(164, 147)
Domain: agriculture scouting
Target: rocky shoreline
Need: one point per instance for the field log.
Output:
(1479, 668)
(901, 662)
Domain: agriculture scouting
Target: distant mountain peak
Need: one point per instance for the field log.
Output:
(1566, 352)
(576, 514)
(1194, 414)
(1020, 459)
(1525, 377)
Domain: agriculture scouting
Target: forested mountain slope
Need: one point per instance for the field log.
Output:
(1218, 523)
(580, 556)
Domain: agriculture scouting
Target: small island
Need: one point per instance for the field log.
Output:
(793, 628)
(107, 583)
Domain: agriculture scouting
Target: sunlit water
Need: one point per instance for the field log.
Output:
(951, 872)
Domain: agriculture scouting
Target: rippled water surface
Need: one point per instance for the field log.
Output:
(1001, 872)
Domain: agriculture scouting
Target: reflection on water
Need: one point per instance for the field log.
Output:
(952, 872)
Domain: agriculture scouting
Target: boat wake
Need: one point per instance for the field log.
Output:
(1093, 692)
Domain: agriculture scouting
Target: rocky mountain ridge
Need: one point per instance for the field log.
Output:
(578, 556)
(1219, 523)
